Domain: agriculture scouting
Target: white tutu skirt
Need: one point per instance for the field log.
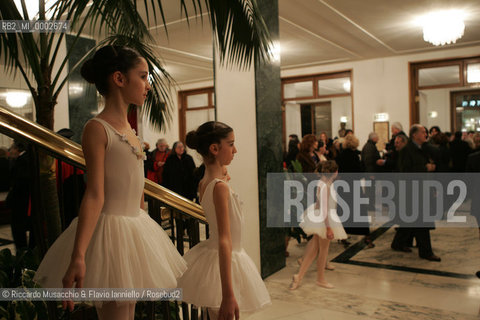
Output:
(202, 285)
(124, 252)
(314, 223)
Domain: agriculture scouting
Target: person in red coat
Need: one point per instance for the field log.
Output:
(158, 157)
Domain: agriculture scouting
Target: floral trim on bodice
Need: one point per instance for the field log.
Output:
(140, 154)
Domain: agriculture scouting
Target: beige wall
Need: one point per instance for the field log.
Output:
(437, 100)
(235, 103)
(171, 132)
(9, 80)
(378, 85)
(381, 85)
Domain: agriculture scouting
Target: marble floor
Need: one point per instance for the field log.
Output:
(378, 283)
(428, 290)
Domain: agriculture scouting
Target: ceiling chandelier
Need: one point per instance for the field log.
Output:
(443, 27)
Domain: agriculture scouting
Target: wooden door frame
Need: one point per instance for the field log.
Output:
(414, 67)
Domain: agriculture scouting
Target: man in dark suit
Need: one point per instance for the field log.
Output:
(397, 129)
(473, 165)
(391, 162)
(460, 151)
(415, 159)
(18, 198)
(370, 154)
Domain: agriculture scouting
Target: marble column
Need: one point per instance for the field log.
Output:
(249, 101)
(269, 142)
(82, 96)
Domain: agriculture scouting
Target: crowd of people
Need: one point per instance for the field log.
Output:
(449, 152)
(114, 243)
(422, 150)
(172, 168)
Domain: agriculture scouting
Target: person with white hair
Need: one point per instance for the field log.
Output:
(157, 159)
(397, 129)
(370, 154)
(415, 159)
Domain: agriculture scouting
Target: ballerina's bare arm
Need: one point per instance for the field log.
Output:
(94, 142)
(320, 203)
(229, 306)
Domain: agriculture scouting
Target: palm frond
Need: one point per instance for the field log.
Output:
(9, 45)
(240, 31)
(57, 11)
(112, 16)
(15, 45)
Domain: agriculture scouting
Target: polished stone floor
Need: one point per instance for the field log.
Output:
(417, 289)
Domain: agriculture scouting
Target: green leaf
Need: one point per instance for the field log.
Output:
(240, 31)
(297, 166)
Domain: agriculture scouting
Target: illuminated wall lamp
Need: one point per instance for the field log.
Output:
(381, 117)
(17, 99)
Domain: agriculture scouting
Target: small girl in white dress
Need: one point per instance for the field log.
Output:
(327, 228)
(220, 275)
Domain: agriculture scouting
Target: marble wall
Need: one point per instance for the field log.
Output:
(82, 96)
(269, 142)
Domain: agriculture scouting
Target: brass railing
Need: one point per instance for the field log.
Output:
(179, 216)
(72, 153)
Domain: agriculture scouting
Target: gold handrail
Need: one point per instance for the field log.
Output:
(72, 151)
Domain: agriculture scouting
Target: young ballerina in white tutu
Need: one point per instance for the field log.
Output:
(114, 243)
(327, 228)
(220, 276)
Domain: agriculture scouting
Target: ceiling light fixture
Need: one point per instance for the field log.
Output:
(443, 27)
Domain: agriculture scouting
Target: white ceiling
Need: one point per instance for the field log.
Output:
(312, 32)
(315, 32)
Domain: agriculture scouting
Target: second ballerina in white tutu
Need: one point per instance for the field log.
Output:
(321, 220)
(220, 276)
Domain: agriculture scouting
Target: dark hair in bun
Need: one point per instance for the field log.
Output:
(106, 61)
(208, 133)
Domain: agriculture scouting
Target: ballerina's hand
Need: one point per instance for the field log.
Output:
(75, 274)
(229, 309)
(330, 234)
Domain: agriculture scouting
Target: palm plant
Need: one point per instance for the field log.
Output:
(238, 28)
(239, 31)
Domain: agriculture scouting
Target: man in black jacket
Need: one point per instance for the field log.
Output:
(415, 159)
(370, 154)
(460, 151)
(397, 129)
(473, 165)
(19, 195)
